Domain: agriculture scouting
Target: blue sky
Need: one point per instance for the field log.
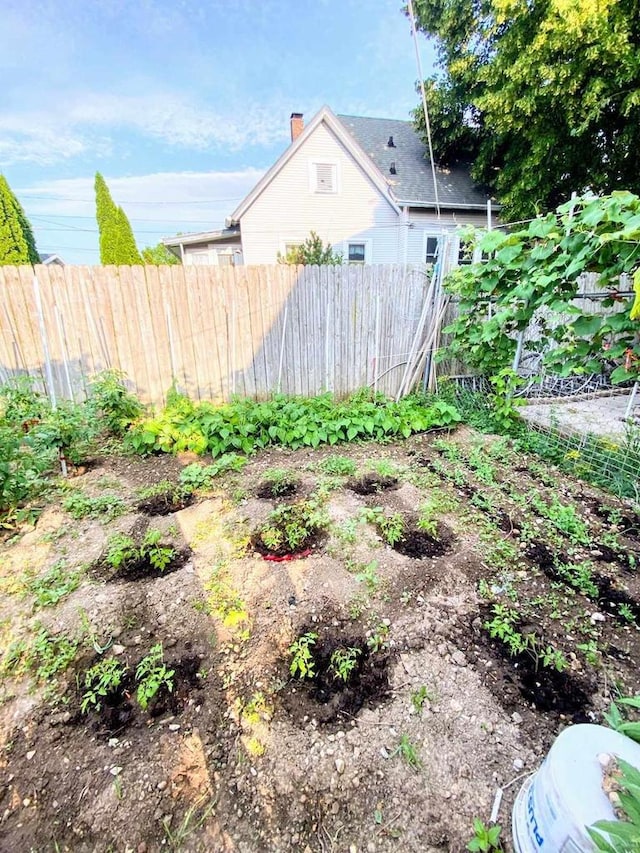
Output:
(182, 105)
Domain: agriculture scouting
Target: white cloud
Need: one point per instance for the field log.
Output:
(62, 212)
(87, 123)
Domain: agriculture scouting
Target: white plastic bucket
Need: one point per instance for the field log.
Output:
(558, 802)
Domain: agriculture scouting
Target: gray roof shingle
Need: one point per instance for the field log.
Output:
(413, 181)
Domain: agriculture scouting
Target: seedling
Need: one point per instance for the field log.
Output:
(408, 752)
(291, 526)
(390, 527)
(302, 663)
(368, 575)
(159, 556)
(55, 584)
(378, 639)
(103, 679)
(79, 505)
(344, 661)
(485, 838)
(279, 481)
(121, 549)
(152, 674)
(419, 697)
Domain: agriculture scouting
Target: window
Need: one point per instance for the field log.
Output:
(356, 253)
(465, 252)
(225, 259)
(431, 252)
(199, 258)
(323, 177)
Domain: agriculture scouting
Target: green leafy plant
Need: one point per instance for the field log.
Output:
(419, 697)
(121, 550)
(79, 505)
(338, 466)
(245, 425)
(502, 626)
(378, 638)
(485, 838)
(291, 526)
(344, 661)
(159, 556)
(302, 663)
(109, 399)
(101, 680)
(367, 573)
(55, 584)
(151, 675)
(196, 476)
(311, 251)
(408, 752)
(621, 836)
(619, 722)
(390, 526)
(279, 481)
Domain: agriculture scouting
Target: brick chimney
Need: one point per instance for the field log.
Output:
(297, 125)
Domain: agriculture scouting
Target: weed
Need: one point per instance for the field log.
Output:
(280, 481)
(302, 663)
(101, 680)
(55, 584)
(195, 817)
(346, 531)
(419, 697)
(344, 661)
(426, 522)
(196, 476)
(502, 626)
(407, 752)
(151, 675)
(485, 838)
(385, 468)
(111, 401)
(338, 466)
(626, 612)
(79, 505)
(368, 575)
(591, 652)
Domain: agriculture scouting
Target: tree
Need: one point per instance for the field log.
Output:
(312, 251)
(159, 255)
(117, 243)
(543, 95)
(17, 243)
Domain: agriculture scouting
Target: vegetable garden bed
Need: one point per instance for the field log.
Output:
(448, 620)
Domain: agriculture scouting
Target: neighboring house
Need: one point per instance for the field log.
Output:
(219, 248)
(364, 185)
(51, 258)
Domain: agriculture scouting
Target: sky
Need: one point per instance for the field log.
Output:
(180, 104)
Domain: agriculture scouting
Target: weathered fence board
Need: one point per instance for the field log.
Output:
(213, 331)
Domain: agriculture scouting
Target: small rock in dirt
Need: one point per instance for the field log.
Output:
(517, 719)
(340, 765)
(30, 754)
(115, 771)
(604, 759)
(113, 742)
(335, 807)
(518, 764)
(26, 802)
(458, 658)
(117, 648)
(383, 752)
(174, 727)
(161, 785)
(442, 649)
(137, 640)
(597, 617)
(355, 782)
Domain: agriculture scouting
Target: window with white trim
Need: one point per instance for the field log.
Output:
(431, 249)
(356, 253)
(200, 258)
(324, 177)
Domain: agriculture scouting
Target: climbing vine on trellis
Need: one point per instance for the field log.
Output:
(538, 267)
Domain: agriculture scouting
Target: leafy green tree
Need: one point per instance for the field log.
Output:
(117, 243)
(312, 251)
(543, 95)
(17, 243)
(159, 255)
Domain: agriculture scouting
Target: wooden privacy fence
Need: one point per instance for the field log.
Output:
(219, 331)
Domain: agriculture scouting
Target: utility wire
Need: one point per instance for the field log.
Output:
(424, 106)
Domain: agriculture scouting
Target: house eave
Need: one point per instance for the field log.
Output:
(431, 205)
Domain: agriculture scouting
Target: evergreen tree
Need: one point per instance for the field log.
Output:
(117, 243)
(17, 243)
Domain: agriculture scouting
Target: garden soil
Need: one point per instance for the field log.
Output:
(241, 756)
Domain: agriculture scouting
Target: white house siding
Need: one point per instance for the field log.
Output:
(288, 209)
(213, 254)
(426, 222)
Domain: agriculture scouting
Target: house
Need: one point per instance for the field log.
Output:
(220, 248)
(363, 184)
(51, 258)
